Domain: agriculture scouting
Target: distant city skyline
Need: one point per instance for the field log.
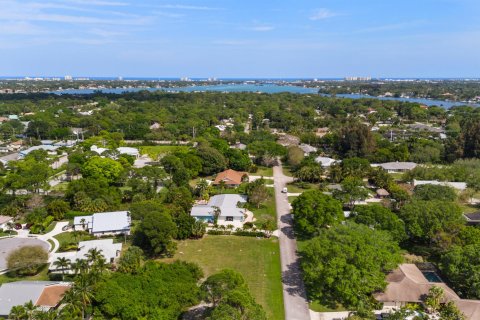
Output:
(240, 39)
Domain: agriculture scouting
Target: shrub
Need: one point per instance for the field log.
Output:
(27, 260)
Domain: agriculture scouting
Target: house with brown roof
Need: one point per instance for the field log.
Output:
(231, 178)
(408, 284)
(44, 294)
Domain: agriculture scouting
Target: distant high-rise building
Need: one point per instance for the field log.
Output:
(68, 78)
(358, 78)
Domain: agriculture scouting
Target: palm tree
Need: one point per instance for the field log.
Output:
(72, 304)
(93, 254)
(62, 263)
(99, 265)
(30, 309)
(84, 290)
(17, 313)
(199, 229)
(10, 226)
(46, 315)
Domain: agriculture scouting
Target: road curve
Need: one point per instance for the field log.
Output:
(294, 294)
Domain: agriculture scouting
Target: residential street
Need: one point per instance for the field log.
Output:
(294, 295)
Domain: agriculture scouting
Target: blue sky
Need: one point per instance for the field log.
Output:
(240, 38)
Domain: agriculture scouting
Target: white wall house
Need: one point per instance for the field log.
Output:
(104, 223)
(4, 220)
(109, 250)
(228, 204)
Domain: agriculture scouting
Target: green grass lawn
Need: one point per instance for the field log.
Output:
(41, 276)
(267, 210)
(258, 260)
(61, 187)
(263, 171)
(295, 188)
(287, 171)
(154, 151)
(67, 238)
(50, 227)
(7, 233)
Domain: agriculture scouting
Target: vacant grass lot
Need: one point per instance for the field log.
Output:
(154, 151)
(263, 171)
(258, 260)
(266, 211)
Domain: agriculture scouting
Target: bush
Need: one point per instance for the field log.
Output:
(27, 260)
(72, 214)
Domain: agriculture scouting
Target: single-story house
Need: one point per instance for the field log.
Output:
(109, 250)
(459, 186)
(231, 178)
(239, 146)
(129, 151)
(307, 149)
(4, 220)
(66, 143)
(395, 167)
(97, 149)
(50, 149)
(44, 294)
(408, 284)
(104, 223)
(325, 162)
(382, 193)
(473, 218)
(287, 140)
(228, 206)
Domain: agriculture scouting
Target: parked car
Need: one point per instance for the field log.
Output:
(284, 190)
(18, 226)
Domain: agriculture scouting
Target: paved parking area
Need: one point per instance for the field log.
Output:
(10, 244)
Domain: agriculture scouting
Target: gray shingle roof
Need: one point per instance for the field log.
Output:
(18, 293)
(106, 221)
(226, 202)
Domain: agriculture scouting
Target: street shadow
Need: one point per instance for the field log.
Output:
(288, 229)
(292, 278)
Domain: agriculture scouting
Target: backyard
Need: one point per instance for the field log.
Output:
(258, 260)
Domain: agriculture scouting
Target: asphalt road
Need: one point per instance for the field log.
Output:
(294, 294)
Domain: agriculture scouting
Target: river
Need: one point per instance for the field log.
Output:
(266, 88)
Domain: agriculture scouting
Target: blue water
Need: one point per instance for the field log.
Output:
(427, 102)
(266, 88)
(431, 276)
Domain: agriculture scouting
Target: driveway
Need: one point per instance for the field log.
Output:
(294, 294)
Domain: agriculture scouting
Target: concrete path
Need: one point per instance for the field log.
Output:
(51, 234)
(294, 294)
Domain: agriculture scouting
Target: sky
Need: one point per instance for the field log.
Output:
(240, 38)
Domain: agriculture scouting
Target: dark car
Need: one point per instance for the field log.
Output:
(18, 226)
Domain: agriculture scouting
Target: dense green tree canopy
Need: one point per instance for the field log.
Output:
(380, 218)
(425, 219)
(347, 263)
(157, 291)
(315, 211)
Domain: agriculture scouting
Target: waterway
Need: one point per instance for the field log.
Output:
(265, 88)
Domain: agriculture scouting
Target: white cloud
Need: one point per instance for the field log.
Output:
(260, 28)
(322, 14)
(98, 3)
(186, 7)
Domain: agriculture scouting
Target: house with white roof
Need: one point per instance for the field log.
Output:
(325, 162)
(104, 223)
(229, 207)
(129, 151)
(395, 167)
(459, 186)
(109, 250)
(97, 149)
(45, 295)
(49, 148)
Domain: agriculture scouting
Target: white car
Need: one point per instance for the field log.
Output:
(284, 190)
